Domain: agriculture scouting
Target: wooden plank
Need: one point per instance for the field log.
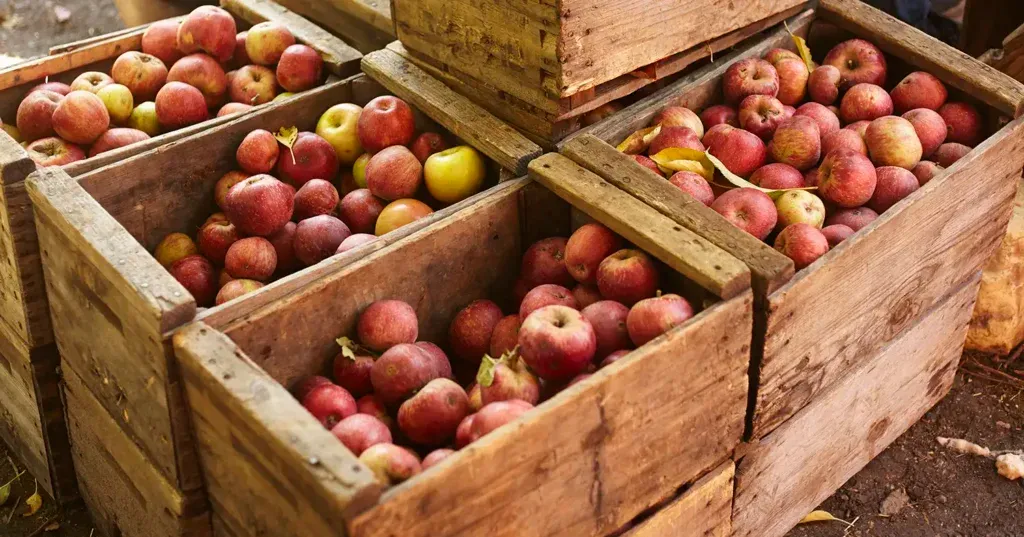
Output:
(683, 250)
(21, 424)
(456, 113)
(364, 24)
(49, 399)
(258, 443)
(704, 510)
(792, 470)
(89, 41)
(953, 67)
(339, 58)
(892, 270)
(44, 66)
(768, 268)
(125, 493)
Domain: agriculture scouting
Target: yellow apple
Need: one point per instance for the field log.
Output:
(359, 169)
(454, 174)
(144, 118)
(339, 125)
(119, 102)
(399, 213)
(282, 96)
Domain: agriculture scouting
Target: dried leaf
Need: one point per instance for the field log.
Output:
(347, 347)
(52, 526)
(822, 516)
(681, 159)
(639, 141)
(485, 376)
(802, 49)
(963, 446)
(34, 502)
(5, 491)
(743, 183)
(287, 137)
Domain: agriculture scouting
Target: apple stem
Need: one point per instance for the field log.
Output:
(292, 151)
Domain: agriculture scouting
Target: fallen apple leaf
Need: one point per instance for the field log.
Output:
(5, 491)
(485, 376)
(740, 182)
(822, 516)
(287, 136)
(34, 502)
(802, 49)
(639, 141)
(347, 347)
(682, 159)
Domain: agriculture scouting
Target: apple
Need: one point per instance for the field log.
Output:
(930, 129)
(856, 218)
(161, 41)
(91, 81)
(949, 153)
(802, 243)
(144, 118)
(812, 177)
(208, 29)
(586, 294)
(310, 157)
(470, 331)
(926, 171)
(557, 342)
(544, 262)
(233, 108)
(354, 241)
(118, 101)
(253, 85)
(652, 317)
(360, 432)
(865, 102)
(224, 184)
(963, 121)
(258, 152)
(488, 419)
(329, 404)
(240, 57)
(860, 127)
(316, 197)
(386, 121)
(776, 55)
(894, 184)
(399, 213)
(679, 116)
(608, 318)
(761, 115)
(451, 175)
(260, 205)
(359, 170)
(35, 114)
(394, 173)
(836, 234)
(198, 277)
(694, 185)
(675, 137)
(173, 248)
(827, 121)
(215, 238)
(843, 139)
(793, 76)
(586, 248)
(823, 84)
(751, 76)
(846, 178)
(547, 294)
(437, 356)
(427, 144)
(282, 96)
(748, 209)
(799, 206)
(893, 141)
(318, 237)
(359, 210)
(80, 118)
(742, 152)
(401, 371)
(646, 162)
(236, 288)
(627, 276)
(339, 126)
(251, 258)
(116, 138)
(797, 142)
(53, 151)
(391, 464)
(435, 457)
(505, 335)
(180, 105)
(919, 90)
(300, 68)
(859, 62)
(203, 73)
(719, 114)
(386, 323)
(283, 241)
(266, 42)
(143, 74)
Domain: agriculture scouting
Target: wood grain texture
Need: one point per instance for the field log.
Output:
(21, 425)
(769, 269)
(125, 493)
(704, 510)
(800, 464)
(364, 24)
(269, 466)
(339, 58)
(901, 264)
(683, 250)
(456, 113)
(953, 67)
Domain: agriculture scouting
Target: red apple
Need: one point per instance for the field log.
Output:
(399, 213)
(919, 90)
(797, 142)
(557, 342)
(241, 57)
(679, 116)
(427, 144)
(761, 115)
(893, 141)
(949, 153)
(505, 335)
(311, 157)
(802, 243)
(652, 317)
(251, 258)
(846, 178)
(116, 138)
(215, 238)
(374, 406)
(843, 139)
(748, 209)
(316, 197)
(161, 40)
(926, 171)
(259, 205)
(431, 417)
(208, 29)
(179, 105)
(490, 418)
(35, 114)
(360, 432)
(646, 162)
(823, 84)
(300, 68)
(394, 173)
(836, 234)
(387, 323)
(675, 137)
(469, 333)
(401, 371)
(329, 404)
(233, 108)
(827, 121)
(860, 127)
(694, 185)
(198, 277)
(963, 121)
(894, 184)
(80, 118)
(91, 81)
(435, 457)
(143, 74)
(354, 241)
(793, 77)
(258, 152)
(586, 248)
(865, 102)
(252, 85)
(54, 152)
(608, 319)
(544, 262)
(266, 42)
(386, 121)
(751, 76)
(856, 218)
(359, 209)
(719, 114)
(778, 176)
(930, 129)
(506, 379)
(318, 237)
(627, 276)
(224, 184)
(391, 464)
(547, 294)
(236, 288)
(203, 73)
(858, 62)
(740, 151)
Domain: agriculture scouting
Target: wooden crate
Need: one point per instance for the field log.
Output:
(113, 304)
(585, 462)
(364, 24)
(789, 472)
(817, 325)
(546, 117)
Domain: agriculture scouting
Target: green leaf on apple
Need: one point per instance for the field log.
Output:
(287, 137)
(485, 376)
(740, 182)
(802, 49)
(682, 159)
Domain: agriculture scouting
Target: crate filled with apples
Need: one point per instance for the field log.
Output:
(865, 173)
(511, 349)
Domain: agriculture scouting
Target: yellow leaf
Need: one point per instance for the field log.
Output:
(34, 502)
(5, 491)
(639, 141)
(743, 183)
(681, 159)
(802, 49)
(347, 347)
(287, 137)
(822, 516)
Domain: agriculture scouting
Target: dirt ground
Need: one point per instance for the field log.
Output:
(28, 28)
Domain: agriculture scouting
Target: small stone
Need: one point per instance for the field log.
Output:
(941, 499)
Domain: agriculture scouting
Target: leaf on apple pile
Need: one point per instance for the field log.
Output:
(287, 137)
(802, 49)
(34, 502)
(485, 376)
(347, 347)
(743, 183)
(639, 141)
(822, 516)
(5, 491)
(682, 159)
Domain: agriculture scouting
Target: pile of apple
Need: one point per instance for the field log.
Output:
(391, 389)
(839, 146)
(273, 225)
(141, 97)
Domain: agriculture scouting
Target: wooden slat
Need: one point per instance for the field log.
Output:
(769, 269)
(132, 33)
(456, 113)
(21, 425)
(339, 58)
(792, 470)
(683, 250)
(49, 65)
(364, 24)
(953, 67)
(268, 463)
(704, 510)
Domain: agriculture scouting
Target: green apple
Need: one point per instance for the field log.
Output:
(359, 169)
(454, 174)
(282, 96)
(119, 102)
(800, 206)
(339, 125)
(144, 118)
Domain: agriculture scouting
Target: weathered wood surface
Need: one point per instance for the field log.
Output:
(456, 113)
(704, 510)
(365, 24)
(21, 425)
(270, 467)
(789, 472)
